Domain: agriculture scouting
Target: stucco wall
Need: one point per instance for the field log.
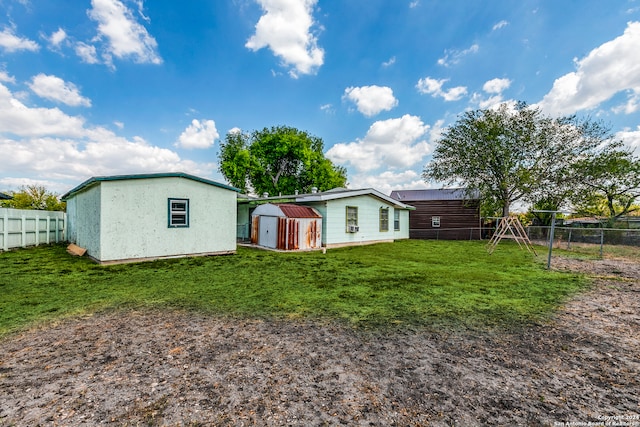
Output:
(135, 213)
(83, 220)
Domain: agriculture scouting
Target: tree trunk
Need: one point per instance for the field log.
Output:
(505, 209)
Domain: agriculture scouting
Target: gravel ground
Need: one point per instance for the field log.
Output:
(174, 368)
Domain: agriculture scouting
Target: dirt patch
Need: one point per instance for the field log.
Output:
(153, 368)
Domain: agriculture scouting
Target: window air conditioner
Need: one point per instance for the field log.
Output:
(352, 229)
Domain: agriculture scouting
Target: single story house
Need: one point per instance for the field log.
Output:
(149, 216)
(449, 214)
(286, 227)
(349, 217)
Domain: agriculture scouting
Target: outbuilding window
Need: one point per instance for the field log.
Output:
(178, 213)
(352, 219)
(384, 219)
(435, 221)
(396, 220)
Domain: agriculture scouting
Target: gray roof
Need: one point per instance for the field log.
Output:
(408, 196)
(97, 179)
(334, 194)
(5, 196)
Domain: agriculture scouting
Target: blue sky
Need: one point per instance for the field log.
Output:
(106, 87)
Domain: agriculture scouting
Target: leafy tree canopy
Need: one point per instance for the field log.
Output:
(609, 183)
(514, 154)
(278, 160)
(34, 197)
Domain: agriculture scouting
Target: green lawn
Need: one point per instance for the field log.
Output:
(402, 283)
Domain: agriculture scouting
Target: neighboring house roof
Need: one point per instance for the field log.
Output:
(286, 210)
(5, 196)
(434, 194)
(585, 220)
(98, 179)
(334, 194)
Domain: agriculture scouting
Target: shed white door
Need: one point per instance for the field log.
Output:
(268, 231)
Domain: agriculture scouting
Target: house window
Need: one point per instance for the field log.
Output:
(435, 221)
(178, 213)
(384, 219)
(396, 220)
(352, 219)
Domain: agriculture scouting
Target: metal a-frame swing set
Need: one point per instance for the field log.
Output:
(509, 227)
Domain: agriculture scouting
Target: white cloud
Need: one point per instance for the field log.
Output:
(390, 62)
(499, 25)
(55, 89)
(496, 85)
(413, 4)
(5, 77)
(126, 38)
(371, 100)
(327, 108)
(57, 37)
(18, 119)
(285, 28)
(433, 87)
(198, 135)
(87, 53)
(46, 144)
(452, 57)
(388, 181)
(493, 88)
(631, 139)
(12, 43)
(632, 105)
(608, 69)
(393, 143)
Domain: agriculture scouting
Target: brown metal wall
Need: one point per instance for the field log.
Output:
(457, 218)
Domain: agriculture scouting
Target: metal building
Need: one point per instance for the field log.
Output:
(286, 227)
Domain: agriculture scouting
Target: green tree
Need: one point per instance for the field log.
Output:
(278, 160)
(34, 197)
(609, 183)
(513, 155)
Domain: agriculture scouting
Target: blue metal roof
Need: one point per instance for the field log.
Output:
(97, 179)
(434, 194)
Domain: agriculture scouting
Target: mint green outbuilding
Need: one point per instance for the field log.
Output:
(357, 217)
(128, 218)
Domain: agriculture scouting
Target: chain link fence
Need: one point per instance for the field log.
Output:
(589, 240)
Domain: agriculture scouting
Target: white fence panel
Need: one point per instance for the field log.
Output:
(21, 228)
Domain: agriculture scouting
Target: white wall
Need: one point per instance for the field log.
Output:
(83, 213)
(134, 219)
(334, 221)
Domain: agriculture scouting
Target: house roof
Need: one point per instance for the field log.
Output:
(5, 196)
(434, 194)
(334, 194)
(98, 179)
(343, 193)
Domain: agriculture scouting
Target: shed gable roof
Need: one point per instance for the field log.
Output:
(5, 196)
(296, 211)
(98, 179)
(286, 210)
